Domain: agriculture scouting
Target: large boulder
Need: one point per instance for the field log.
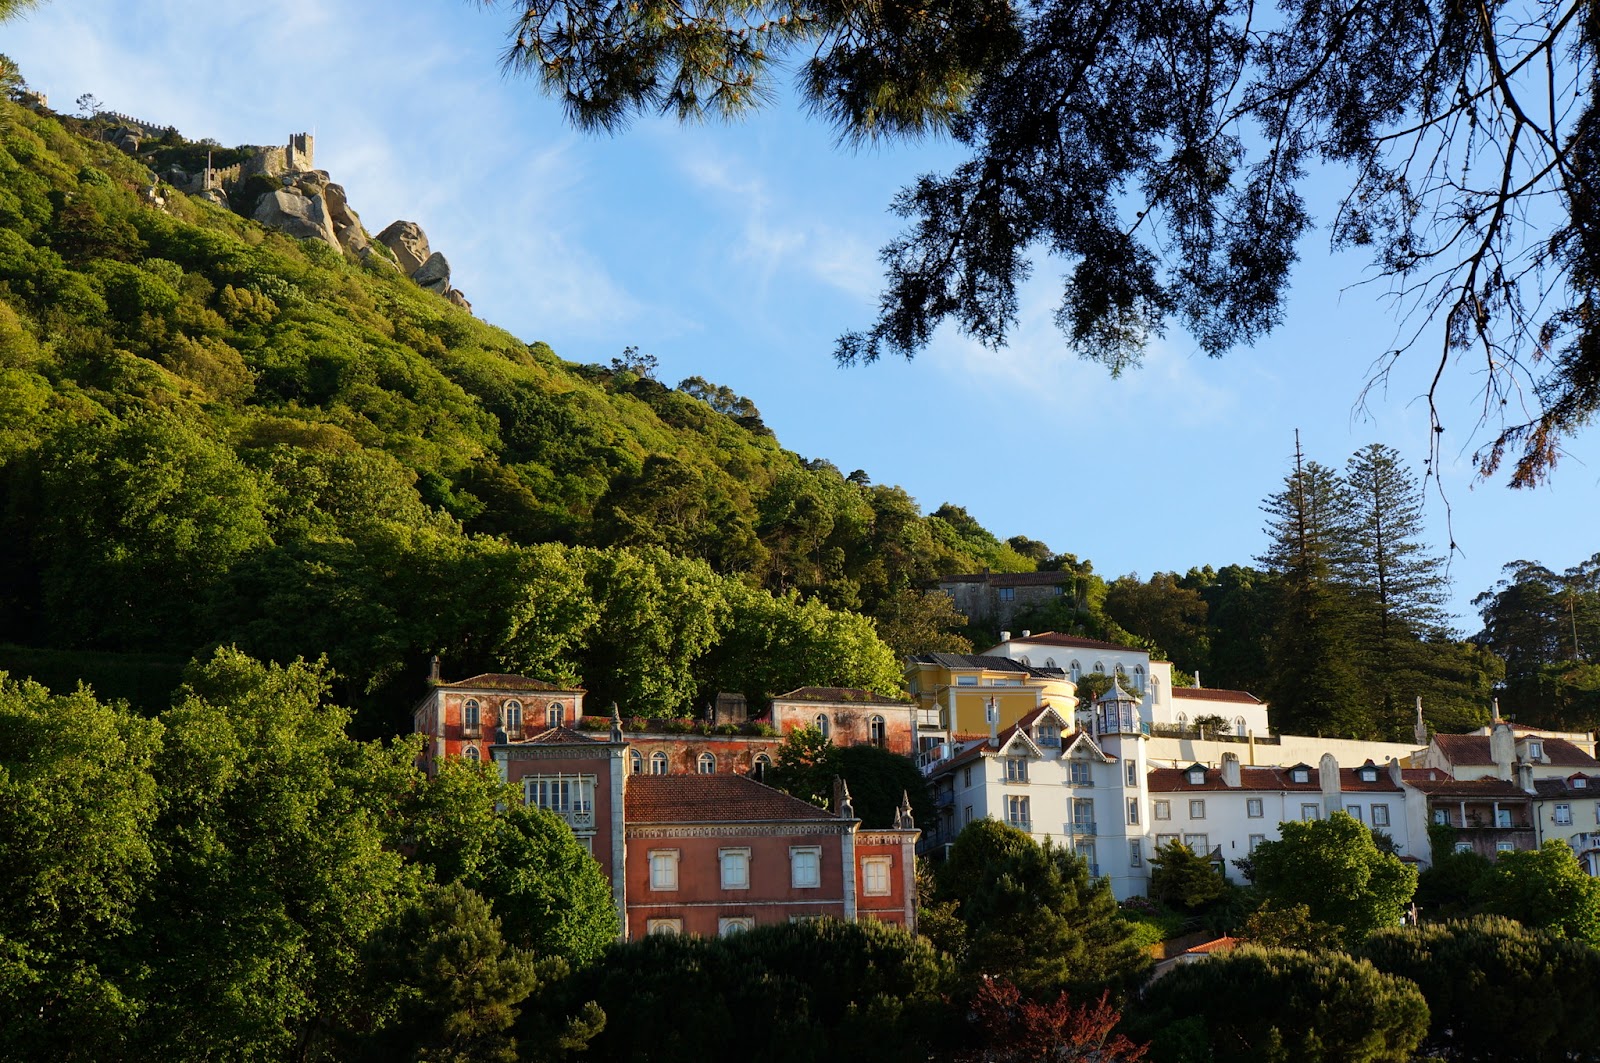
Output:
(346, 223)
(409, 244)
(290, 212)
(434, 274)
(455, 296)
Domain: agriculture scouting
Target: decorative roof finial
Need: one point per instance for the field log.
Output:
(616, 723)
(903, 819)
(1420, 731)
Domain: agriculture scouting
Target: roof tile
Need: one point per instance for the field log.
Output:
(713, 799)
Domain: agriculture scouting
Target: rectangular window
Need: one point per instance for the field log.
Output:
(735, 868)
(1563, 815)
(565, 795)
(1255, 840)
(1079, 773)
(966, 777)
(1200, 844)
(805, 866)
(1502, 817)
(1130, 772)
(1133, 811)
(1380, 815)
(966, 815)
(729, 925)
(1017, 813)
(1049, 736)
(1441, 816)
(1163, 809)
(1354, 810)
(1252, 807)
(1016, 769)
(664, 926)
(1135, 853)
(1463, 847)
(663, 869)
(1197, 808)
(1310, 812)
(1503, 847)
(966, 680)
(1165, 839)
(1008, 594)
(875, 875)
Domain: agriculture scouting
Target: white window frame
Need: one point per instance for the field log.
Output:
(733, 868)
(877, 731)
(1254, 808)
(1380, 815)
(1255, 840)
(875, 876)
(513, 715)
(799, 877)
(824, 725)
(1309, 812)
(705, 764)
(1130, 771)
(1079, 772)
(658, 759)
(1135, 853)
(1133, 811)
(672, 927)
(1163, 810)
(663, 870)
(1355, 812)
(1199, 844)
(1562, 815)
(1019, 812)
(729, 925)
(1016, 769)
(1197, 808)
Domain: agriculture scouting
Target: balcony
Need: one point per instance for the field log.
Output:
(1021, 824)
(577, 818)
(1083, 827)
(929, 720)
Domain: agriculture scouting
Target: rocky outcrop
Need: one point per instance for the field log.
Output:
(456, 297)
(433, 274)
(306, 217)
(409, 244)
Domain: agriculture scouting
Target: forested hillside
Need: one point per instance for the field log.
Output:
(215, 434)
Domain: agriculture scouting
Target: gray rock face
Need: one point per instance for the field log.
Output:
(409, 244)
(301, 216)
(458, 299)
(434, 274)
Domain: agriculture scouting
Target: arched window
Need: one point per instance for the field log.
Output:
(759, 766)
(1138, 678)
(471, 715)
(1076, 670)
(875, 730)
(511, 719)
(658, 763)
(707, 764)
(1100, 667)
(555, 715)
(1183, 720)
(635, 762)
(1121, 674)
(1023, 660)
(1049, 662)
(471, 753)
(821, 723)
(1238, 726)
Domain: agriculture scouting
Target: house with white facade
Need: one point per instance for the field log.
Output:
(1569, 809)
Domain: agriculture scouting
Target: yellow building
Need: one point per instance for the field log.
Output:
(960, 687)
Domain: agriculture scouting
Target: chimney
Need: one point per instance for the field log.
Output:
(1005, 636)
(1502, 747)
(991, 712)
(1231, 776)
(1394, 771)
(1026, 633)
(1328, 775)
(433, 671)
(1197, 679)
(1525, 777)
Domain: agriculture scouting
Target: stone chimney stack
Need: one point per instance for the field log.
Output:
(1419, 730)
(1328, 775)
(1502, 747)
(1231, 775)
(1005, 636)
(1525, 778)
(991, 711)
(433, 671)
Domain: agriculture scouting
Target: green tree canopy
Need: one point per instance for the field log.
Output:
(1333, 868)
(1285, 1006)
(1545, 889)
(1184, 879)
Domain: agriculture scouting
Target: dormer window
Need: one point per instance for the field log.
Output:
(1580, 782)
(1300, 774)
(1047, 735)
(1535, 750)
(1367, 774)
(1197, 776)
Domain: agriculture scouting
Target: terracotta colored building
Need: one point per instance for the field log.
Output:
(696, 852)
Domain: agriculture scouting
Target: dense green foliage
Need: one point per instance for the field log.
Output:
(1546, 626)
(1281, 1005)
(1183, 878)
(1497, 990)
(797, 992)
(878, 779)
(232, 881)
(1333, 868)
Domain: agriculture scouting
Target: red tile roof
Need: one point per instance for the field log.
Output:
(713, 799)
(1474, 749)
(505, 681)
(849, 694)
(1222, 944)
(560, 736)
(1564, 787)
(1483, 788)
(1215, 694)
(1055, 638)
(1255, 778)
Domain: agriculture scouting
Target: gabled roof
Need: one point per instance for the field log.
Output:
(1565, 787)
(506, 681)
(1474, 749)
(1242, 697)
(1258, 778)
(841, 694)
(713, 799)
(1017, 734)
(1084, 739)
(561, 736)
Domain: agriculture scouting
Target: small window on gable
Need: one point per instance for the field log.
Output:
(1023, 660)
(1535, 750)
(706, 764)
(875, 731)
(1579, 783)
(1197, 776)
(658, 763)
(821, 723)
(1078, 773)
(1300, 774)
(1016, 769)
(1048, 735)
(1368, 774)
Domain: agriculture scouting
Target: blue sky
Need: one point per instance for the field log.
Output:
(739, 252)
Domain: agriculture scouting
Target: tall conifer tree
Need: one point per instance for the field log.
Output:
(1313, 685)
